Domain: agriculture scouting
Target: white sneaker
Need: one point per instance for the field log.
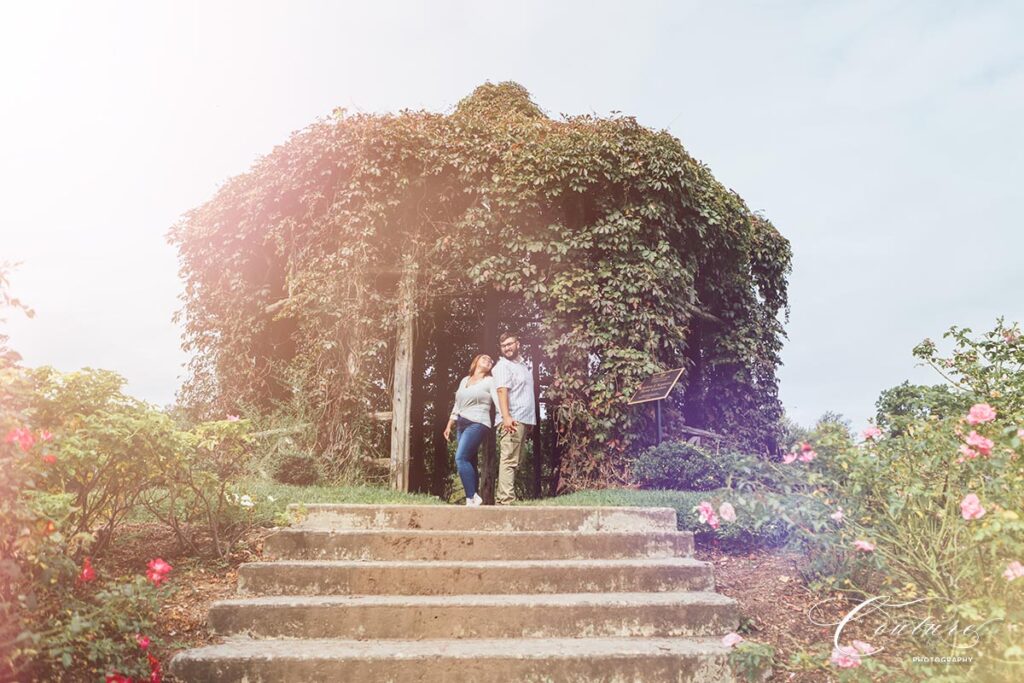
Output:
(477, 499)
(472, 502)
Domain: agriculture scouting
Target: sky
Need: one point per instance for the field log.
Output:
(884, 140)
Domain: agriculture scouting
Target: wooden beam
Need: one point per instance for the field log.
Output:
(489, 464)
(538, 453)
(418, 401)
(442, 396)
(401, 402)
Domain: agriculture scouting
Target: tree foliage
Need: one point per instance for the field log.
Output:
(625, 251)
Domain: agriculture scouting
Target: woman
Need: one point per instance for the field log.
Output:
(472, 414)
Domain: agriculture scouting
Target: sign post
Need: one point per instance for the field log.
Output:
(656, 388)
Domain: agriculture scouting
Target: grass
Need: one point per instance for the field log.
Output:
(682, 501)
(745, 531)
(284, 494)
(271, 499)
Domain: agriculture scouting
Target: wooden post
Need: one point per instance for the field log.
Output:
(556, 451)
(657, 418)
(401, 402)
(489, 466)
(538, 454)
(442, 396)
(418, 400)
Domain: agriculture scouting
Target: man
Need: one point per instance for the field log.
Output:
(513, 380)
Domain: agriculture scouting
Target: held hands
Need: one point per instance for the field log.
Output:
(508, 425)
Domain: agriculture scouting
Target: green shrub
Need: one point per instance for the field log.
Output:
(678, 465)
(108, 447)
(752, 661)
(681, 466)
(195, 494)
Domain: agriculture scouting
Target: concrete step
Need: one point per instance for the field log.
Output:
(560, 615)
(306, 577)
(575, 660)
(314, 544)
(485, 518)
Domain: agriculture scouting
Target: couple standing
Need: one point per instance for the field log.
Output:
(508, 385)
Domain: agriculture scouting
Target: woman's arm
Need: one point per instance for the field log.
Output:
(454, 414)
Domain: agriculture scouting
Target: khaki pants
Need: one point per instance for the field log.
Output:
(510, 452)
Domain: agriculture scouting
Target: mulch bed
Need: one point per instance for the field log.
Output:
(196, 583)
(774, 602)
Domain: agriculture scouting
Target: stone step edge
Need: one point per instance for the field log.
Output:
(461, 533)
(582, 563)
(244, 648)
(462, 509)
(496, 600)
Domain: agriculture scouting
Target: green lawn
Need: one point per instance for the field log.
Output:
(745, 531)
(284, 494)
(683, 501)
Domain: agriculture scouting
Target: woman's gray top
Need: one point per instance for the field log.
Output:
(473, 401)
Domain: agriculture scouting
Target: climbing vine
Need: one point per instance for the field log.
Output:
(626, 251)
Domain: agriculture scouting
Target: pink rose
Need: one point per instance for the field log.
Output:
(142, 640)
(788, 458)
(157, 570)
(707, 514)
(845, 657)
(45, 435)
(864, 546)
(22, 436)
(871, 432)
(970, 507)
(966, 453)
(49, 458)
(731, 639)
(981, 412)
(980, 443)
(727, 512)
(804, 446)
(863, 648)
(837, 515)
(1014, 570)
(808, 455)
(155, 675)
(88, 573)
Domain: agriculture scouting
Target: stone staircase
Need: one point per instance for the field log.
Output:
(439, 593)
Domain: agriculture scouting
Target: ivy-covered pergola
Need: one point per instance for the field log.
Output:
(358, 267)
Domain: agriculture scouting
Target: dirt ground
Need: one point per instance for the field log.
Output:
(773, 600)
(774, 603)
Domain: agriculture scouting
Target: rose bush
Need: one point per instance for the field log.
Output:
(932, 511)
(194, 494)
(108, 449)
(61, 616)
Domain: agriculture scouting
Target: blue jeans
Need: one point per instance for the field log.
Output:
(471, 435)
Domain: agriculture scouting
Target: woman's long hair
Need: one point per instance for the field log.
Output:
(476, 359)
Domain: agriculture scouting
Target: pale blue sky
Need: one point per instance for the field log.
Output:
(883, 139)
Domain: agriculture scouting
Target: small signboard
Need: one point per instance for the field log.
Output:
(656, 387)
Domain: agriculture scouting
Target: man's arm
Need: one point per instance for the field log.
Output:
(502, 384)
(507, 423)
